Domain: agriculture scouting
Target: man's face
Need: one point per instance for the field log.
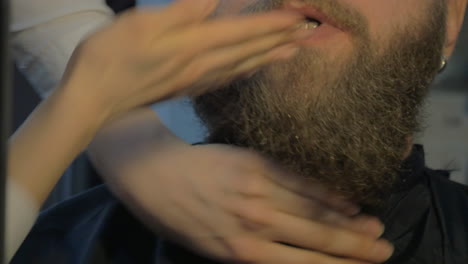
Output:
(381, 17)
(340, 112)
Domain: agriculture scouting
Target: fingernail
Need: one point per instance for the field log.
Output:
(373, 226)
(382, 250)
(301, 26)
(303, 33)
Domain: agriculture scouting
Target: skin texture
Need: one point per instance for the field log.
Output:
(230, 204)
(65, 123)
(151, 65)
(378, 13)
(342, 111)
(93, 65)
(138, 192)
(129, 64)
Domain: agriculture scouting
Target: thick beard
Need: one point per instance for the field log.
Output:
(346, 126)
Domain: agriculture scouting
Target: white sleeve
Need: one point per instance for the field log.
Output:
(28, 13)
(44, 36)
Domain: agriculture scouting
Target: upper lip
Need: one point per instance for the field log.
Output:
(316, 13)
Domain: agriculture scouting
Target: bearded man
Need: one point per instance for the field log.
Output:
(342, 113)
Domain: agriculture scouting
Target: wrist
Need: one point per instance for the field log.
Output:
(61, 126)
(132, 142)
(75, 98)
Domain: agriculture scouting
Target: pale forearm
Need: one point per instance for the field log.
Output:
(55, 133)
(38, 154)
(120, 148)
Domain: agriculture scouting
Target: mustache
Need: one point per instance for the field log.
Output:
(343, 15)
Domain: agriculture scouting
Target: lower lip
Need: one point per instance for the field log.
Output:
(322, 33)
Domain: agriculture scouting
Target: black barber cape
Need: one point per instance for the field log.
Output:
(426, 220)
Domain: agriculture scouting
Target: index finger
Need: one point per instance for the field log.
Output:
(183, 12)
(224, 32)
(310, 188)
(270, 253)
(328, 239)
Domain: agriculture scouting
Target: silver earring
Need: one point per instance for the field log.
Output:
(443, 64)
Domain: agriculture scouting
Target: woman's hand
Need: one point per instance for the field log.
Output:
(224, 203)
(150, 55)
(143, 57)
(229, 203)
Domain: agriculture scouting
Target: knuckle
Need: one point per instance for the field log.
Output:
(330, 217)
(188, 78)
(244, 250)
(168, 64)
(352, 243)
(195, 71)
(250, 181)
(255, 214)
(136, 20)
(325, 242)
(312, 210)
(253, 186)
(363, 245)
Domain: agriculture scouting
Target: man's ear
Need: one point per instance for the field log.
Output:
(456, 13)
